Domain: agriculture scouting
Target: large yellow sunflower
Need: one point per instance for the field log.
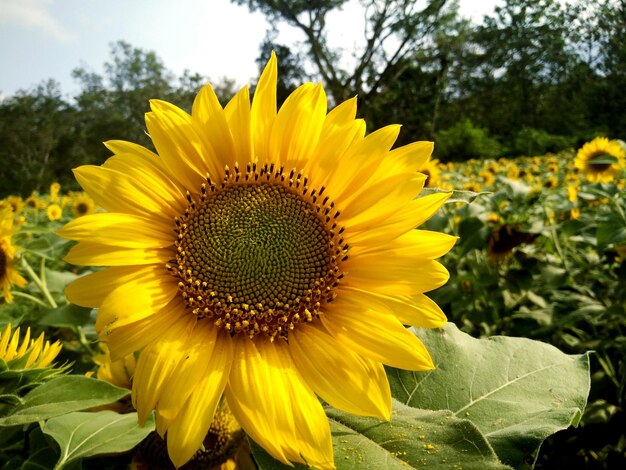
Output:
(266, 255)
(8, 273)
(601, 160)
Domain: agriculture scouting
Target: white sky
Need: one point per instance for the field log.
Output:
(42, 39)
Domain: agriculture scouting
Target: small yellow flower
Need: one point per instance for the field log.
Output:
(54, 191)
(54, 212)
(8, 273)
(37, 353)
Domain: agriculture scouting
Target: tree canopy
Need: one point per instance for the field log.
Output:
(533, 76)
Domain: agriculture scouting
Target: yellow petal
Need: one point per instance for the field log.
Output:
(157, 365)
(237, 113)
(117, 192)
(297, 127)
(422, 244)
(415, 310)
(361, 161)
(209, 113)
(124, 230)
(184, 149)
(263, 112)
(185, 435)
(405, 218)
(273, 404)
(330, 151)
(138, 298)
(342, 378)
(191, 371)
(376, 335)
(127, 339)
(95, 254)
(90, 290)
(149, 174)
(340, 115)
(369, 206)
(394, 274)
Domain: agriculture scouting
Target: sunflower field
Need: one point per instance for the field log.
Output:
(130, 342)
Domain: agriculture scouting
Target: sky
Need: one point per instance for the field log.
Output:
(43, 39)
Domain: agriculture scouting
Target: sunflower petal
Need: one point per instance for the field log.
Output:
(342, 378)
(273, 404)
(96, 254)
(127, 339)
(138, 298)
(376, 335)
(157, 365)
(90, 290)
(123, 230)
(185, 435)
(263, 112)
(237, 113)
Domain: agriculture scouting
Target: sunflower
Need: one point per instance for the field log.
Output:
(31, 353)
(8, 273)
(432, 172)
(601, 160)
(54, 212)
(83, 205)
(266, 255)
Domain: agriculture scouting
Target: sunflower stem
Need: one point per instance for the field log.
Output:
(38, 281)
(557, 244)
(29, 297)
(84, 341)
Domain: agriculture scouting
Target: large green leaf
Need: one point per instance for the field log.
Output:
(412, 439)
(517, 391)
(62, 395)
(83, 434)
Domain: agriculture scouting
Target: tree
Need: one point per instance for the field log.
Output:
(37, 142)
(393, 30)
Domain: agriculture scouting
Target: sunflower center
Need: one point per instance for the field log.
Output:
(259, 253)
(82, 208)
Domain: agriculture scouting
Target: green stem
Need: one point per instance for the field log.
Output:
(38, 281)
(83, 340)
(555, 239)
(29, 297)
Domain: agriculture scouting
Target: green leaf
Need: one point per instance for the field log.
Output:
(610, 232)
(517, 391)
(68, 316)
(466, 197)
(412, 439)
(83, 435)
(62, 395)
(602, 160)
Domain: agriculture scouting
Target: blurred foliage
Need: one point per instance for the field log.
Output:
(542, 254)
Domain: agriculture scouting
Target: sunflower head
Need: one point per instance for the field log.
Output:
(432, 172)
(25, 362)
(83, 205)
(268, 255)
(54, 212)
(601, 160)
